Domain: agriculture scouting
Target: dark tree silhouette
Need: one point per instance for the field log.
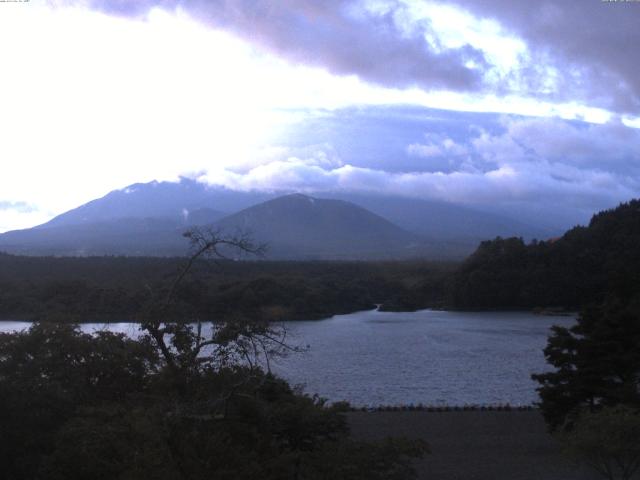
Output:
(597, 363)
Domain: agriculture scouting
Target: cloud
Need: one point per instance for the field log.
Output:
(18, 214)
(610, 147)
(21, 207)
(581, 50)
(561, 191)
(518, 177)
(560, 52)
(341, 36)
(442, 154)
(562, 169)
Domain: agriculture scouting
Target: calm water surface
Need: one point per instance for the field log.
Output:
(429, 357)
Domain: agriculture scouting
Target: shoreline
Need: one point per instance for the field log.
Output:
(28, 318)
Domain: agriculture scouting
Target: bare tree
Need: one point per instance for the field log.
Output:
(185, 343)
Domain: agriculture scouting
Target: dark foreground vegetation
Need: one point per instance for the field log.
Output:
(76, 406)
(591, 400)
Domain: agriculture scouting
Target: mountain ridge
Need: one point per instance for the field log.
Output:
(137, 219)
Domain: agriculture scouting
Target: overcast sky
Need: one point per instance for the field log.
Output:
(501, 105)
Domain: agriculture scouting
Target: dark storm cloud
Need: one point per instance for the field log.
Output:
(582, 51)
(592, 43)
(338, 35)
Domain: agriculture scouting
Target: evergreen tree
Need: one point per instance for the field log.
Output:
(597, 363)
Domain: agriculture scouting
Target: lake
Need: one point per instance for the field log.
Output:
(430, 357)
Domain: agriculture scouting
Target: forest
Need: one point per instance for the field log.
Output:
(114, 288)
(584, 266)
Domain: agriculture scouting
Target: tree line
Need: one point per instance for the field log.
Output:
(582, 267)
(591, 398)
(114, 288)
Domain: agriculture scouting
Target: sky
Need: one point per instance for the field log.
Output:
(526, 108)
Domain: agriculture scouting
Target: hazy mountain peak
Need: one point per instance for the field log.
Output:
(301, 226)
(156, 199)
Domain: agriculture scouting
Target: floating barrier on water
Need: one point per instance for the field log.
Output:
(504, 407)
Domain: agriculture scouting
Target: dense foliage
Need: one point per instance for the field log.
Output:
(579, 268)
(114, 288)
(77, 406)
(597, 363)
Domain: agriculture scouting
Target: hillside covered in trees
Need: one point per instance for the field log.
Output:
(583, 266)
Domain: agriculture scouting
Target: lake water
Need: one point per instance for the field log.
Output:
(429, 357)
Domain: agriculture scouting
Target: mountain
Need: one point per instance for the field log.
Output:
(201, 216)
(300, 226)
(166, 200)
(92, 230)
(436, 220)
(148, 219)
(293, 226)
(141, 219)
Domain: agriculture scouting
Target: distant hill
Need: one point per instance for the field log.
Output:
(300, 226)
(583, 266)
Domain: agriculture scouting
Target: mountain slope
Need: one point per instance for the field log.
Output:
(148, 219)
(173, 200)
(299, 226)
(438, 220)
(124, 236)
(293, 226)
(154, 236)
